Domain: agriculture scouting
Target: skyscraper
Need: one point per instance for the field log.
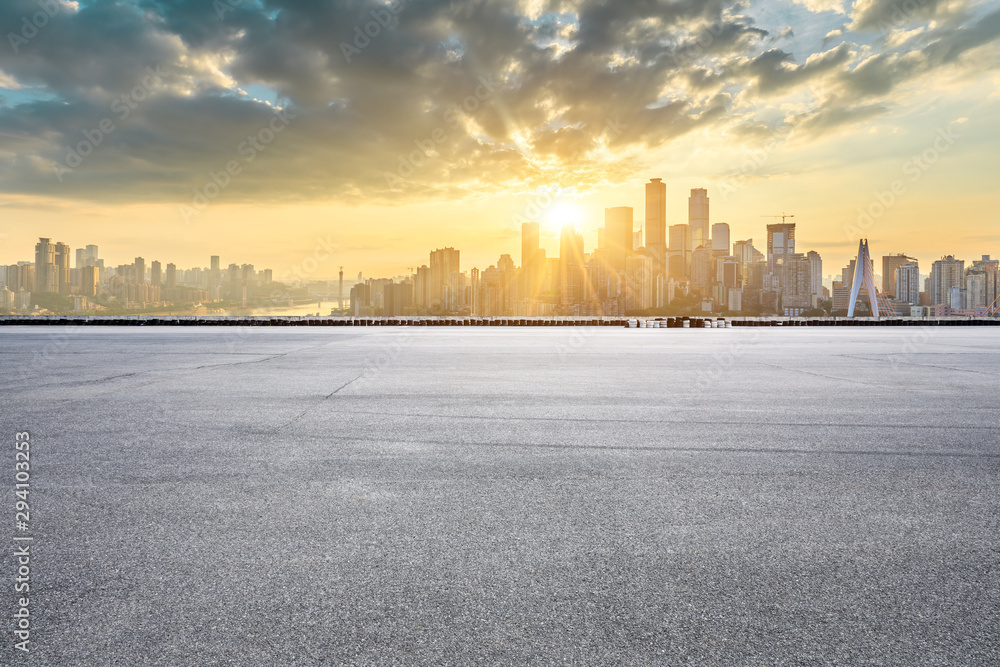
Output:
(656, 223)
(88, 281)
(639, 283)
(571, 267)
(678, 253)
(698, 218)
(171, 277)
(140, 270)
(529, 244)
(720, 238)
(46, 279)
(797, 290)
(889, 265)
(815, 276)
(946, 273)
(990, 268)
(907, 285)
(618, 224)
(155, 274)
(62, 260)
(443, 263)
(780, 243)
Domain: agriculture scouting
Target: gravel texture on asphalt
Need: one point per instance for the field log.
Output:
(506, 497)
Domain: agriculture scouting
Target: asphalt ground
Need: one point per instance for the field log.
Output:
(504, 497)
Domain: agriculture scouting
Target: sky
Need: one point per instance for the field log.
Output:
(306, 136)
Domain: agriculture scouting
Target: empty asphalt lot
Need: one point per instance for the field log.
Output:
(513, 496)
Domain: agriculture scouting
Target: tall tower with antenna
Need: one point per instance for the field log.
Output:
(340, 291)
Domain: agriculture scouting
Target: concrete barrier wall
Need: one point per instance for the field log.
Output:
(629, 322)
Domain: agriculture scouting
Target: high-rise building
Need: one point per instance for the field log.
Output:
(155, 274)
(532, 260)
(571, 267)
(91, 255)
(140, 270)
(397, 299)
(63, 260)
(698, 219)
(81, 258)
(656, 223)
(701, 270)
(88, 280)
(171, 276)
(46, 278)
(797, 290)
(975, 288)
(443, 263)
(639, 283)
(215, 275)
(946, 273)
(780, 243)
(529, 244)
(720, 238)
(990, 270)
(889, 265)
(677, 252)
(907, 285)
(21, 277)
(422, 287)
(618, 231)
(815, 276)
(744, 253)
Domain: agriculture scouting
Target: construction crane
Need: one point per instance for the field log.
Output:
(782, 216)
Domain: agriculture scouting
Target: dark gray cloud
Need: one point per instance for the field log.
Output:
(441, 98)
(885, 15)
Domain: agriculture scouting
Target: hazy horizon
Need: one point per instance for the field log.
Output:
(450, 121)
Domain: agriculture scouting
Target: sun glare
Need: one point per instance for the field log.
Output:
(563, 212)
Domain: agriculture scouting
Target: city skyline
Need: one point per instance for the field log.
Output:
(637, 267)
(185, 131)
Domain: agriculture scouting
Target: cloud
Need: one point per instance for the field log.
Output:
(822, 5)
(439, 99)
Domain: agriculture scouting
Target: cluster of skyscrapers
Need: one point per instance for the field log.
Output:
(656, 269)
(93, 286)
(630, 272)
(694, 265)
